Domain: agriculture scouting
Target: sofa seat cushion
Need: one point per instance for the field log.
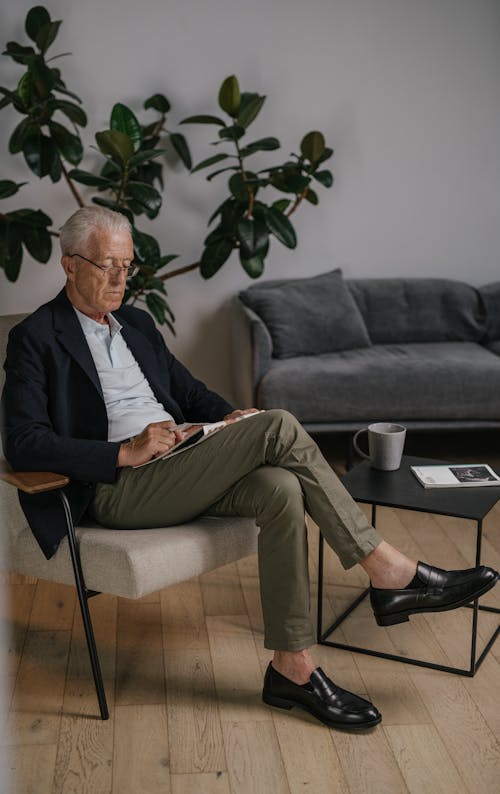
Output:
(447, 380)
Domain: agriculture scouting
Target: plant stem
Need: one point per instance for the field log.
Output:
(180, 270)
(122, 185)
(299, 198)
(72, 187)
(251, 196)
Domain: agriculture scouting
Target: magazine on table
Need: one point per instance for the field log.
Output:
(463, 475)
(199, 432)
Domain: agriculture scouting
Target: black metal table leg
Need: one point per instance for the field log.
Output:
(323, 635)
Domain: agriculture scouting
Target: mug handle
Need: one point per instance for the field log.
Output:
(355, 443)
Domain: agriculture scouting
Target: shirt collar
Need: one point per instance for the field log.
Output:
(90, 326)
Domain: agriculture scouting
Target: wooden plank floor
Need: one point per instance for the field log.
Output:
(183, 671)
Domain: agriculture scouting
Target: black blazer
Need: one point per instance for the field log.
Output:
(54, 416)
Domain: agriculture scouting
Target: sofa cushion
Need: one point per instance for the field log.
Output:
(447, 380)
(490, 294)
(307, 316)
(419, 310)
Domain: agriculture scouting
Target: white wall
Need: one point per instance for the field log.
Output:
(406, 91)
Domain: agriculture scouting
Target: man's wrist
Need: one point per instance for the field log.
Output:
(124, 454)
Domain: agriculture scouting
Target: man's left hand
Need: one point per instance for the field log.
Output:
(239, 413)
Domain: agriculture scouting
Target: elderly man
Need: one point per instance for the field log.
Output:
(92, 391)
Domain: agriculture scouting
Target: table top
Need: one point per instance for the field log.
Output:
(402, 489)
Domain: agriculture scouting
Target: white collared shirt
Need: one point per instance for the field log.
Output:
(129, 399)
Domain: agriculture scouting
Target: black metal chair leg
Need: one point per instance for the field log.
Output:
(83, 595)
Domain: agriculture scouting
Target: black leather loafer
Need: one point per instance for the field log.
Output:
(440, 591)
(321, 697)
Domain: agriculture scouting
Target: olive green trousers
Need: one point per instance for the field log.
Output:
(266, 467)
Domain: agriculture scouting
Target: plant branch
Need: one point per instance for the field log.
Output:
(72, 187)
(298, 199)
(180, 270)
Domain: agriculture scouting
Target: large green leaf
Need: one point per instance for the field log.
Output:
(214, 256)
(180, 145)
(281, 204)
(221, 171)
(21, 132)
(156, 305)
(312, 197)
(144, 156)
(204, 119)
(25, 89)
(68, 144)
(9, 188)
(158, 102)
(112, 205)
(253, 266)
(38, 242)
(43, 78)
(312, 145)
(166, 259)
(250, 107)
(229, 96)
(20, 54)
(124, 120)
(262, 145)
(279, 225)
(290, 180)
(46, 35)
(72, 111)
(146, 195)
(233, 133)
(327, 153)
(41, 155)
(86, 178)
(239, 187)
(36, 18)
(32, 217)
(253, 236)
(216, 158)
(116, 144)
(11, 250)
(146, 247)
(324, 177)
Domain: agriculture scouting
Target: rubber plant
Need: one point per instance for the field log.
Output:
(130, 179)
(245, 221)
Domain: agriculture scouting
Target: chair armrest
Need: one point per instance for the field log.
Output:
(32, 481)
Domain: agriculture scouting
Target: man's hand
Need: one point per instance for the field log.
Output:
(239, 413)
(155, 439)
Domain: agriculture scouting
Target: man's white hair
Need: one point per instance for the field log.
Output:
(84, 222)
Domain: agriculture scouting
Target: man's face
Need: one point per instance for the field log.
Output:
(90, 289)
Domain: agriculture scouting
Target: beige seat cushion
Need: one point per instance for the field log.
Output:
(133, 563)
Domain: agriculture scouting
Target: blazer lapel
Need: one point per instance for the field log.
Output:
(70, 335)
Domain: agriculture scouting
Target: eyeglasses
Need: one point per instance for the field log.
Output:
(129, 270)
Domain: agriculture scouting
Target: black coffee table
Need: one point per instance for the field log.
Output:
(401, 489)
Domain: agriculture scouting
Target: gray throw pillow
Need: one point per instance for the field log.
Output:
(307, 316)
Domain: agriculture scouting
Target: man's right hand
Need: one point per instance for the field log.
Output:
(156, 439)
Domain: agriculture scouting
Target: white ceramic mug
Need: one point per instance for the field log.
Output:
(385, 445)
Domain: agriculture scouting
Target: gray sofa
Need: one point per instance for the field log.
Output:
(341, 353)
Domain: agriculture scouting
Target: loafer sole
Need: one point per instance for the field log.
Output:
(393, 618)
(282, 703)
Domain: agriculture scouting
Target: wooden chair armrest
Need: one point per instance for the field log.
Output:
(32, 481)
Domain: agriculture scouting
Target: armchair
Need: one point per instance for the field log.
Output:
(96, 559)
